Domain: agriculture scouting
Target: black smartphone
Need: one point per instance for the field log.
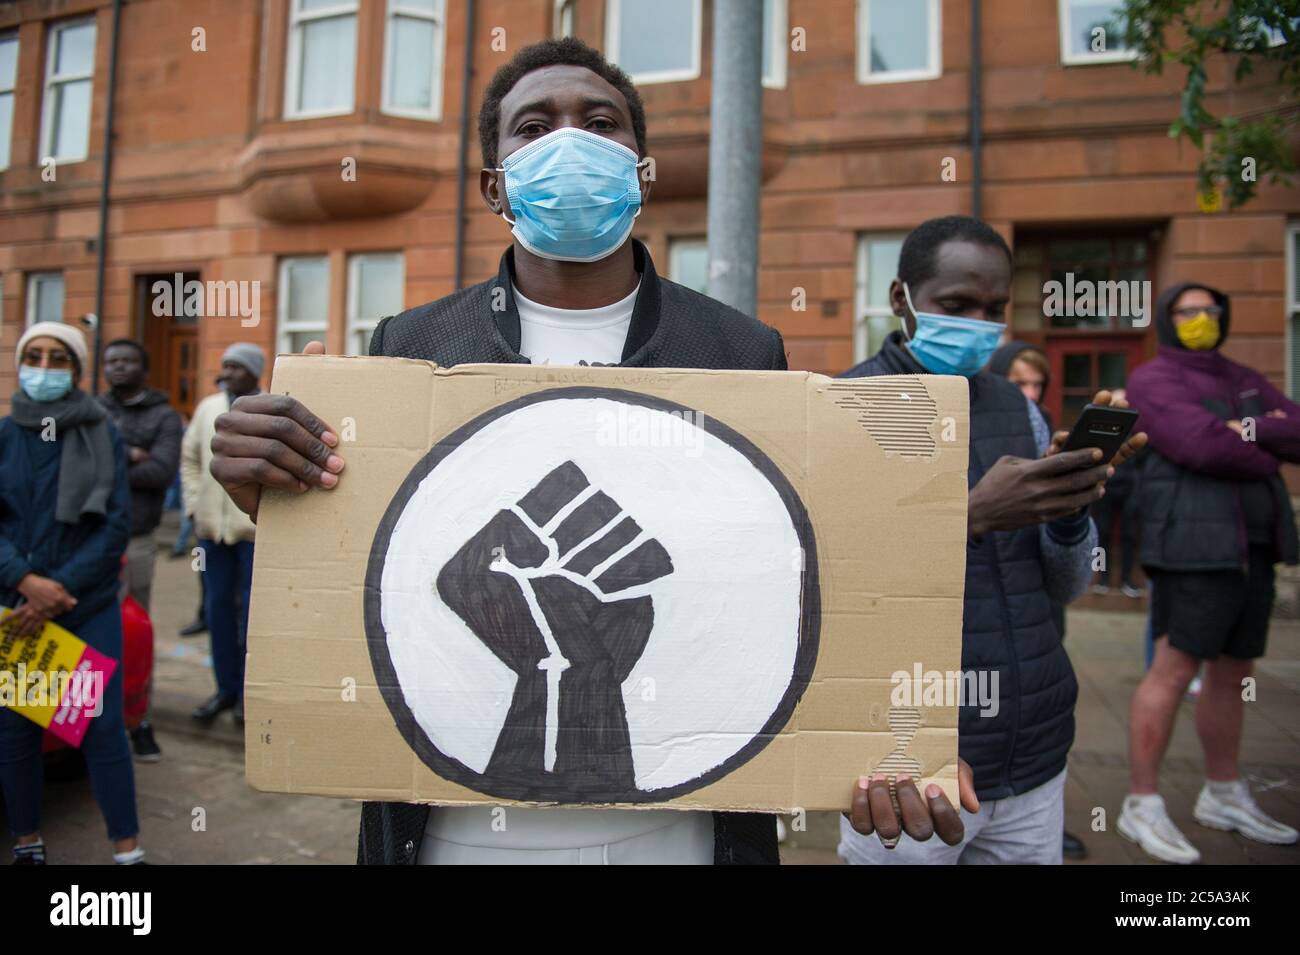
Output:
(1100, 426)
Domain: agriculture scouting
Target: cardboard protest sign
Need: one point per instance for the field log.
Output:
(54, 679)
(611, 586)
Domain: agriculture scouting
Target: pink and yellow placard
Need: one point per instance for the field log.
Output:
(54, 679)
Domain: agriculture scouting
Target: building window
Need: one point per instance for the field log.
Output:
(898, 40)
(1094, 273)
(303, 302)
(415, 39)
(1293, 308)
(320, 70)
(1278, 35)
(376, 289)
(655, 42)
(562, 24)
(69, 72)
(44, 297)
(776, 43)
(1092, 31)
(8, 74)
(877, 269)
(688, 263)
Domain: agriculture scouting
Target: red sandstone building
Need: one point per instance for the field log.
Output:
(315, 147)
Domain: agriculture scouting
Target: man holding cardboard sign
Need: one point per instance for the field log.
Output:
(1030, 540)
(574, 288)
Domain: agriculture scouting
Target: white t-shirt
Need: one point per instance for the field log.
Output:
(511, 835)
(574, 336)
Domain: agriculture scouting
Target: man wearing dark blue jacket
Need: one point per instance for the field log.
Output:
(1029, 540)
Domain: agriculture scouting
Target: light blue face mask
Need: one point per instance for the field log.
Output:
(949, 345)
(574, 195)
(44, 384)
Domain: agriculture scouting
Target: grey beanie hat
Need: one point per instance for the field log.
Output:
(248, 355)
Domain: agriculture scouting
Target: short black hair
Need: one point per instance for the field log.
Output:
(144, 355)
(916, 261)
(565, 51)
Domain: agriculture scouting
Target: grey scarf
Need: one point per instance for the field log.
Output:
(86, 461)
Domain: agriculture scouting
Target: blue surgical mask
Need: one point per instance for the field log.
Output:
(950, 345)
(574, 195)
(44, 384)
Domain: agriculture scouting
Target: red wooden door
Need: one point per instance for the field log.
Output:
(182, 367)
(1084, 364)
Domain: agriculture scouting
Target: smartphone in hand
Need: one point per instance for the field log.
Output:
(1101, 426)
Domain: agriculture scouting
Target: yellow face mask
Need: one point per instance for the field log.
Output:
(1200, 333)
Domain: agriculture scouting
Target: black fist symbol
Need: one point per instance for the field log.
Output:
(555, 587)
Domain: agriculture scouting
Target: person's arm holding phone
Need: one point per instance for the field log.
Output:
(1132, 444)
(1065, 544)
(1019, 492)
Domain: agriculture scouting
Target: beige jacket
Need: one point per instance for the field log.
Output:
(215, 516)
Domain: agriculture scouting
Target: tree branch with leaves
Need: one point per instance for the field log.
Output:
(1260, 38)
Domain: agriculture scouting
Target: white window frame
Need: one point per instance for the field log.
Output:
(284, 325)
(565, 10)
(293, 60)
(355, 323)
(51, 81)
(778, 43)
(613, 21)
(1275, 35)
(10, 36)
(862, 308)
(439, 20)
(35, 279)
(675, 246)
(1291, 296)
(1090, 58)
(863, 51)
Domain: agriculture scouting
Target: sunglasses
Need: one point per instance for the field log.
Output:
(1191, 311)
(56, 358)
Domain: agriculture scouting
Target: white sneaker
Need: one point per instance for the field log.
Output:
(1144, 820)
(1239, 811)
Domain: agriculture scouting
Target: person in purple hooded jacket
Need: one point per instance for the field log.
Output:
(1216, 517)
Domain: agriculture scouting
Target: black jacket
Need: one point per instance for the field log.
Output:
(1007, 625)
(1206, 496)
(151, 424)
(671, 327)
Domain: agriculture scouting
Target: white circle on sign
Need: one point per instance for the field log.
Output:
(586, 595)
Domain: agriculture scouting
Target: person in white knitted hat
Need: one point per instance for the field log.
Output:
(64, 524)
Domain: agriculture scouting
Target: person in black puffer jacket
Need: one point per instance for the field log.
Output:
(151, 431)
(1216, 517)
(1029, 541)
